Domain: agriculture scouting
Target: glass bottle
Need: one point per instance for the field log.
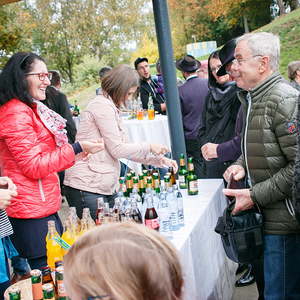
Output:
(172, 201)
(142, 189)
(151, 112)
(179, 197)
(54, 251)
(68, 235)
(122, 187)
(14, 293)
(172, 176)
(135, 213)
(76, 110)
(192, 179)
(182, 174)
(129, 184)
(164, 216)
(151, 217)
(46, 275)
(48, 291)
(156, 183)
(86, 214)
(100, 211)
(36, 283)
(59, 278)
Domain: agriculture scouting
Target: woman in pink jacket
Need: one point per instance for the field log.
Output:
(97, 176)
(33, 148)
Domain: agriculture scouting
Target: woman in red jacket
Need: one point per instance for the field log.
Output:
(33, 148)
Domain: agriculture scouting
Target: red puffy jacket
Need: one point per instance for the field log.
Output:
(30, 157)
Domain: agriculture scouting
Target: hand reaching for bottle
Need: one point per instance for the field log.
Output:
(167, 162)
(158, 149)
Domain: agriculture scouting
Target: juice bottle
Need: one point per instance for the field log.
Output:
(151, 113)
(54, 251)
(68, 235)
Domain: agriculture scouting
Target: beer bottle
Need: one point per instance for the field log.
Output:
(182, 175)
(129, 184)
(46, 275)
(48, 291)
(151, 217)
(156, 183)
(172, 176)
(59, 278)
(192, 179)
(145, 174)
(135, 183)
(142, 188)
(36, 281)
(76, 111)
(14, 293)
(149, 182)
(167, 181)
(122, 187)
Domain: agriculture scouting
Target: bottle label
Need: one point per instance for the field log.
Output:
(37, 291)
(190, 166)
(181, 179)
(181, 162)
(61, 242)
(193, 186)
(153, 223)
(61, 289)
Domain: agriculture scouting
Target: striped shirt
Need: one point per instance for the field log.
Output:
(5, 226)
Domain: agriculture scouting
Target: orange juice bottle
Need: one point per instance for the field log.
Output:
(54, 251)
(151, 113)
(68, 235)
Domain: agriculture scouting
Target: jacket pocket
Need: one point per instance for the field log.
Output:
(105, 177)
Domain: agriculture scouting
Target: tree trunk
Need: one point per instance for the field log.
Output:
(281, 7)
(246, 26)
(294, 4)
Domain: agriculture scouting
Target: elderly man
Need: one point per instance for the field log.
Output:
(148, 87)
(268, 157)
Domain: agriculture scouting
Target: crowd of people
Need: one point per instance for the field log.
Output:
(239, 119)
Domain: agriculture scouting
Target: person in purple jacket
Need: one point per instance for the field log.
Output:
(219, 135)
(192, 98)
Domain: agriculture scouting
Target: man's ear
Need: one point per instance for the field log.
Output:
(264, 63)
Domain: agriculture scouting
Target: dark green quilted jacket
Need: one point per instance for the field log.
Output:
(269, 149)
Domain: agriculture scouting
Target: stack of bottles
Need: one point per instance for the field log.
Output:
(45, 284)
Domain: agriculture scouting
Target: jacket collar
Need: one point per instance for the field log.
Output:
(261, 89)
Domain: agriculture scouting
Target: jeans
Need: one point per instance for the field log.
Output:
(19, 265)
(81, 199)
(281, 267)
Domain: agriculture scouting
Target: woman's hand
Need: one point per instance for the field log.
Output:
(91, 147)
(7, 183)
(158, 149)
(167, 162)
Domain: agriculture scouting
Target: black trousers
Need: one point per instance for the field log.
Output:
(258, 272)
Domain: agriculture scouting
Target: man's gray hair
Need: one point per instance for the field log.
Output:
(264, 43)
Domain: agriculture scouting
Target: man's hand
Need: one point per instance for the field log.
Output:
(91, 147)
(169, 163)
(243, 200)
(237, 171)
(209, 151)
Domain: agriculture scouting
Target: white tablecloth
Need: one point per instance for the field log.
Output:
(209, 274)
(152, 131)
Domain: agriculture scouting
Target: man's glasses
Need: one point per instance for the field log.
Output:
(239, 61)
(42, 76)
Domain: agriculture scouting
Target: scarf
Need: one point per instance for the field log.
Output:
(53, 122)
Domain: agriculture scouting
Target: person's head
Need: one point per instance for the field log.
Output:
(25, 77)
(226, 56)
(188, 65)
(120, 84)
(55, 80)
(256, 58)
(294, 70)
(202, 72)
(158, 67)
(103, 71)
(126, 261)
(142, 66)
(214, 64)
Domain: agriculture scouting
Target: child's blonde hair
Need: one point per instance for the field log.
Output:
(126, 261)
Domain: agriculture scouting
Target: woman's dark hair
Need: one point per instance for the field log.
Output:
(212, 82)
(13, 83)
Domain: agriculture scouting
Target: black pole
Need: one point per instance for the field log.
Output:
(162, 26)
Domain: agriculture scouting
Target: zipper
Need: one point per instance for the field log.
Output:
(245, 138)
(41, 190)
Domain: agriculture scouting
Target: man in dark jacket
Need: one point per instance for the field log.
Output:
(192, 98)
(148, 87)
(269, 149)
(58, 102)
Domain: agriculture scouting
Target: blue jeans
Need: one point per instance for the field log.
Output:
(282, 267)
(20, 265)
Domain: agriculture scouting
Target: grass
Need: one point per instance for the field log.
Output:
(286, 26)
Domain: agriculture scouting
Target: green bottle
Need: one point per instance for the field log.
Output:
(182, 174)
(192, 179)
(14, 293)
(156, 183)
(76, 110)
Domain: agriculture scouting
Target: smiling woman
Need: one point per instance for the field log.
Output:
(33, 148)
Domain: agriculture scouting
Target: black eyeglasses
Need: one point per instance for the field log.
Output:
(42, 76)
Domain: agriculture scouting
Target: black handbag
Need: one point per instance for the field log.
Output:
(241, 234)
